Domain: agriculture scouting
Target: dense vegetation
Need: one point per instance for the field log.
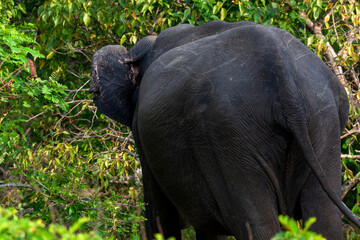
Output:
(61, 160)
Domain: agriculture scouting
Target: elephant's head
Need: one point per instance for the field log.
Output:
(116, 75)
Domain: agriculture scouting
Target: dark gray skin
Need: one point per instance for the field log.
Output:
(235, 123)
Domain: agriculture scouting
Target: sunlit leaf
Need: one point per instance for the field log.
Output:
(86, 19)
(223, 13)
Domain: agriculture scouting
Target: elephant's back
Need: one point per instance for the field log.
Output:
(220, 74)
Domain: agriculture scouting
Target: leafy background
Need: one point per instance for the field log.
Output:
(61, 160)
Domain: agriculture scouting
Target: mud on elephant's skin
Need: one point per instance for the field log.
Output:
(235, 123)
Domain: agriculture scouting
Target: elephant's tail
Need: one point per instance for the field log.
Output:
(301, 134)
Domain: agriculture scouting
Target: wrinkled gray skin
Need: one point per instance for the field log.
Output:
(235, 123)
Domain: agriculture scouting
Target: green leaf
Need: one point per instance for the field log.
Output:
(26, 104)
(45, 90)
(123, 39)
(133, 39)
(242, 9)
(144, 8)
(70, 210)
(223, 14)
(139, 2)
(50, 55)
(176, 15)
(57, 21)
(310, 40)
(86, 19)
(76, 226)
(122, 17)
(319, 3)
(22, 7)
(288, 223)
(309, 222)
(158, 236)
(216, 8)
(186, 13)
(326, 20)
(316, 13)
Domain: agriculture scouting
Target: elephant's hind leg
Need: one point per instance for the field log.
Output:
(161, 215)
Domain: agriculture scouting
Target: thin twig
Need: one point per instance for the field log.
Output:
(12, 185)
(37, 115)
(349, 184)
(4, 60)
(353, 131)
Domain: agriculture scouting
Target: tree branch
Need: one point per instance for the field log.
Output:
(11, 184)
(349, 184)
(350, 156)
(352, 131)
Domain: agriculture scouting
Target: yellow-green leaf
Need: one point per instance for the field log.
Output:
(144, 9)
(351, 51)
(223, 13)
(310, 40)
(50, 55)
(22, 7)
(241, 8)
(123, 39)
(133, 39)
(86, 19)
(326, 20)
(329, 6)
(187, 13)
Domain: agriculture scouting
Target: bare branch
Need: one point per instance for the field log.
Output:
(15, 185)
(349, 184)
(4, 60)
(350, 156)
(353, 131)
(37, 115)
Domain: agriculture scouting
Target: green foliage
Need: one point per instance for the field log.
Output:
(158, 236)
(22, 93)
(43, 175)
(14, 227)
(294, 232)
(60, 188)
(15, 44)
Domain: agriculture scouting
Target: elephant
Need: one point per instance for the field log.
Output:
(234, 124)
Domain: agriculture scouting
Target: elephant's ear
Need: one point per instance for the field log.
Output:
(116, 75)
(112, 84)
(141, 50)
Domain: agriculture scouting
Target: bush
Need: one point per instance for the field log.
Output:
(294, 231)
(14, 227)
